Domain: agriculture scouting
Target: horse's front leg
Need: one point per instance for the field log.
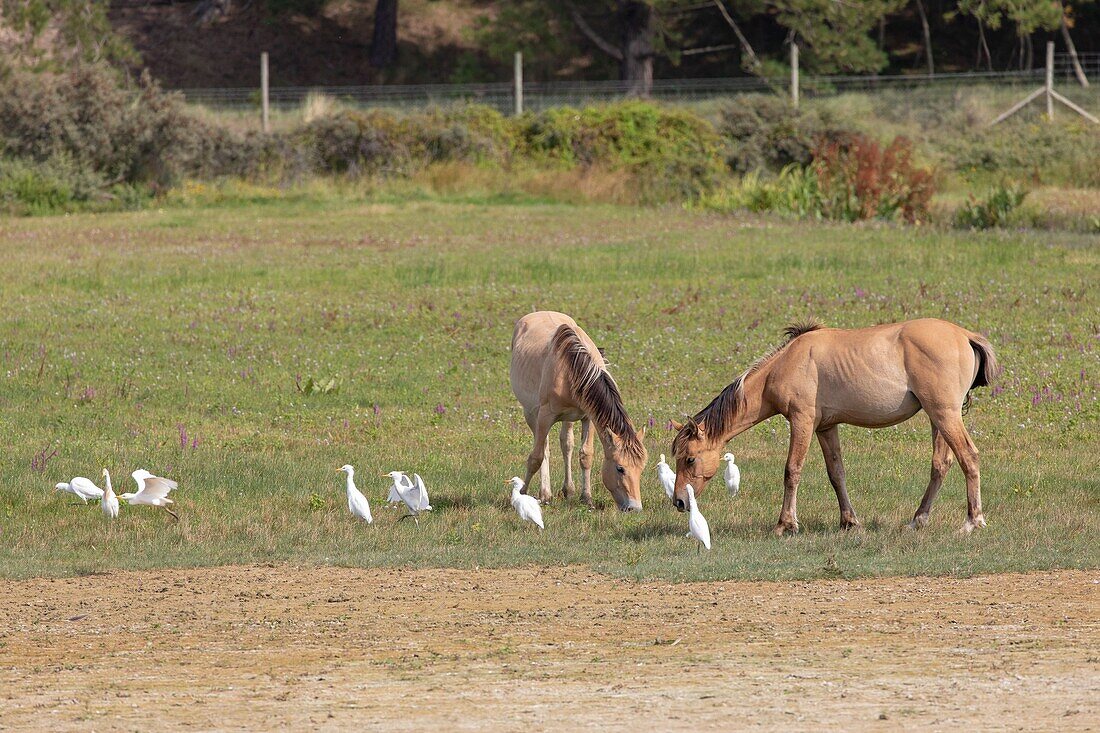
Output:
(587, 437)
(802, 430)
(829, 438)
(539, 458)
(566, 440)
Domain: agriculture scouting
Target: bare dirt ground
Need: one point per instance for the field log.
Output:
(545, 649)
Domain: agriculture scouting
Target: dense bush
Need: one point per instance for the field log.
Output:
(851, 179)
(764, 132)
(673, 152)
(992, 210)
(859, 179)
(120, 132)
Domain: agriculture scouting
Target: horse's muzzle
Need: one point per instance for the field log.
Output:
(632, 505)
(680, 505)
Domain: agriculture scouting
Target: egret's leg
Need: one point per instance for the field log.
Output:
(587, 437)
(174, 515)
(566, 441)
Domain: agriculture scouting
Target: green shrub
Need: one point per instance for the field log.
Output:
(121, 132)
(672, 153)
(848, 181)
(764, 132)
(992, 210)
(56, 185)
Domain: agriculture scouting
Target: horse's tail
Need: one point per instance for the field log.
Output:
(988, 367)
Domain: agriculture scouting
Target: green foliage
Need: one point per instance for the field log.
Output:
(672, 150)
(58, 185)
(319, 386)
(835, 35)
(764, 132)
(83, 34)
(849, 180)
(120, 133)
(994, 209)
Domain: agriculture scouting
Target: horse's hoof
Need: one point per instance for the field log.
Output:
(850, 523)
(971, 524)
(782, 529)
(918, 522)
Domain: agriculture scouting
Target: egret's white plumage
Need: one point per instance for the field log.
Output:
(152, 491)
(666, 476)
(527, 507)
(412, 493)
(732, 475)
(357, 503)
(405, 486)
(81, 488)
(109, 505)
(697, 523)
(139, 476)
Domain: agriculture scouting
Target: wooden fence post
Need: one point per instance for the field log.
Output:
(264, 101)
(1050, 80)
(517, 82)
(794, 75)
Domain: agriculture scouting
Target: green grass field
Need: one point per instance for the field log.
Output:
(119, 333)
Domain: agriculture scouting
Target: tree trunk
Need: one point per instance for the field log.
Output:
(927, 33)
(983, 46)
(1073, 52)
(637, 48)
(383, 45)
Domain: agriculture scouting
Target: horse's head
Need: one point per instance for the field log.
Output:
(623, 463)
(696, 460)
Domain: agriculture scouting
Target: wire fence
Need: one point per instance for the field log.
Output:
(541, 95)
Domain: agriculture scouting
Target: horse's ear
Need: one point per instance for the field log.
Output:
(677, 426)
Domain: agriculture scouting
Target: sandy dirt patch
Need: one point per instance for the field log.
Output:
(236, 648)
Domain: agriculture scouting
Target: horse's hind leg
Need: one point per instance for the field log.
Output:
(941, 464)
(566, 440)
(950, 425)
(834, 464)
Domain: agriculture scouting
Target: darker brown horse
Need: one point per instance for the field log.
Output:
(820, 378)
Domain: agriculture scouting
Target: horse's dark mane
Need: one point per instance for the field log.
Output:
(723, 409)
(595, 389)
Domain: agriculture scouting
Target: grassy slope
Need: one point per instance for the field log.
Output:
(118, 329)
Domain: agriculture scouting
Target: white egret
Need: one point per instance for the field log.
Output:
(152, 491)
(697, 523)
(357, 503)
(81, 488)
(413, 494)
(527, 507)
(666, 476)
(732, 475)
(109, 505)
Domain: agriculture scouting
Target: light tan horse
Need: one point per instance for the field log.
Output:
(871, 377)
(558, 374)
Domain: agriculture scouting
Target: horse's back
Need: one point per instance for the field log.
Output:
(531, 356)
